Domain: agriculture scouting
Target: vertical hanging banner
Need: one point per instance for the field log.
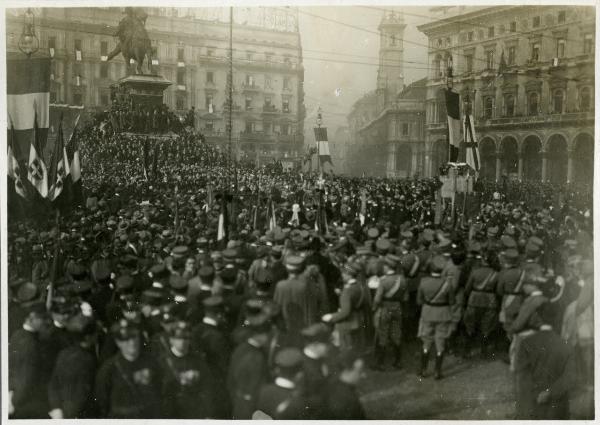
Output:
(28, 102)
(471, 144)
(453, 110)
(322, 145)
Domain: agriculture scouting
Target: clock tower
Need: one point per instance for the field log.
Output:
(390, 75)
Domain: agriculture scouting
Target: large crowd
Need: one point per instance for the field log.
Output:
(187, 286)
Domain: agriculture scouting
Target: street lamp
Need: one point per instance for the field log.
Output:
(28, 42)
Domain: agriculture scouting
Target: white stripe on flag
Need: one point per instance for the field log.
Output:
(454, 131)
(23, 109)
(323, 148)
(221, 227)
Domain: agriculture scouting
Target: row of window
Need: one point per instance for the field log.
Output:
(510, 55)
(250, 56)
(491, 31)
(248, 104)
(558, 103)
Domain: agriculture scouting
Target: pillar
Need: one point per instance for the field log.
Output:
(520, 170)
(569, 165)
(544, 166)
(391, 160)
(498, 165)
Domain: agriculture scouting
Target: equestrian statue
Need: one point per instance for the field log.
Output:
(133, 41)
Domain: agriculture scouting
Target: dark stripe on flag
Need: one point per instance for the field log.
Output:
(321, 134)
(24, 138)
(25, 75)
(452, 104)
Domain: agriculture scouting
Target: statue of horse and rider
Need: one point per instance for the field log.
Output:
(133, 40)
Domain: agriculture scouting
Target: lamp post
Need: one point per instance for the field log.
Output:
(28, 41)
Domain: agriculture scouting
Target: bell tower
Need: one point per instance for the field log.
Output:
(390, 75)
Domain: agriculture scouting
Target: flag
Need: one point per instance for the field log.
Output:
(322, 145)
(59, 172)
(453, 110)
(222, 227)
(37, 173)
(14, 170)
(145, 164)
(272, 217)
(75, 167)
(502, 65)
(471, 144)
(28, 102)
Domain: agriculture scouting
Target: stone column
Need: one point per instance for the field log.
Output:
(498, 165)
(520, 169)
(569, 165)
(544, 166)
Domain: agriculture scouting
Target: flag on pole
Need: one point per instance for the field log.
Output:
(453, 110)
(272, 217)
(145, 165)
(28, 103)
(471, 144)
(37, 173)
(14, 170)
(75, 167)
(223, 219)
(59, 171)
(322, 145)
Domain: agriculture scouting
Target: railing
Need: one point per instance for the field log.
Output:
(541, 118)
(251, 87)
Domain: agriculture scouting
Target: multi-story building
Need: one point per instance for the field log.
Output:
(527, 75)
(387, 125)
(191, 47)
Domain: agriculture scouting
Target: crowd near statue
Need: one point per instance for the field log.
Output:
(191, 286)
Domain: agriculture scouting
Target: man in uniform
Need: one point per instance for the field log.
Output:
(128, 385)
(481, 313)
(436, 295)
(387, 305)
(510, 285)
(342, 401)
(71, 387)
(188, 383)
(27, 395)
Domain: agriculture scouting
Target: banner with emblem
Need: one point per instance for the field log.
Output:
(37, 173)
(59, 169)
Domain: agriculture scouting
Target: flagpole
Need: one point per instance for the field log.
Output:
(50, 293)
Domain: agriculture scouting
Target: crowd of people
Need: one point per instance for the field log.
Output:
(149, 119)
(186, 287)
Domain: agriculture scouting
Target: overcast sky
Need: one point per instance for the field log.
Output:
(342, 58)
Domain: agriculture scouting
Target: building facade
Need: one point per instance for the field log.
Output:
(527, 75)
(191, 47)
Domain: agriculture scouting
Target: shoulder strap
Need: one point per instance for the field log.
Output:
(439, 292)
(392, 291)
(486, 280)
(520, 283)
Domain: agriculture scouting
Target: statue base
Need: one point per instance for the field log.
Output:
(140, 90)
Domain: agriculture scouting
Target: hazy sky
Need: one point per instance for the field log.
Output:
(337, 56)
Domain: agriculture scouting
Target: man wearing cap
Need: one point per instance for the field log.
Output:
(342, 401)
(510, 284)
(387, 305)
(545, 374)
(248, 369)
(188, 383)
(351, 319)
(128, 385)
(302, 300)
(481, 314)
(436, 295)
(27, 365)
(71, 388)
(282, 398)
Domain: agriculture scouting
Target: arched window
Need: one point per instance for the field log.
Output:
(447, 62)
(509, 105)
(557, 101)
(585, 99)
(437, 63)
(488, 107)
(533, 103)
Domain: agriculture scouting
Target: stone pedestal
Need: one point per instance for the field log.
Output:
(141, 90)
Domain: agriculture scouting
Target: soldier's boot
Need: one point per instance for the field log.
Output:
(439, 360)
(397, 357)
(424, 362)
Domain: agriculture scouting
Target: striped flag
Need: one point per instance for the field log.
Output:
(59, 169)
(471, 144)
(28, 103)
(223, 221)
(272, 216)
(322, 145)
(14, 170)
(453, 111)
(75, 167)
(37, 173)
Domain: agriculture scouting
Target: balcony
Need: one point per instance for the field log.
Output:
(269, 109)
(435, 126)
(286, 138)
(251, 87)
(538, 119)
